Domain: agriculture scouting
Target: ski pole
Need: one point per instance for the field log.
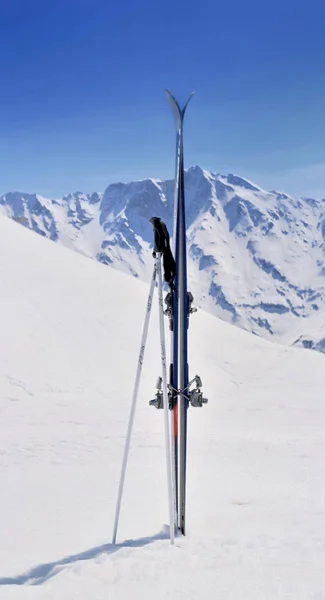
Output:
(134, 401)
(165, 400)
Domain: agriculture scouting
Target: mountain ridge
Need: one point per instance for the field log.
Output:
(256, 257)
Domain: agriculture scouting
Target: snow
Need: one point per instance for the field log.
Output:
(310, 334)
(70, 331)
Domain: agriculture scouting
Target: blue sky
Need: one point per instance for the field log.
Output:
(82, 99)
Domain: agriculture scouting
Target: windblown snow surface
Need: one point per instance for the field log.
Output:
(70, 330)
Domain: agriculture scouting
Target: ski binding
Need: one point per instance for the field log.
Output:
(158, 401)
(194, 397)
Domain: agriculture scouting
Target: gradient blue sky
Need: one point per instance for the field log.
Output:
(82, 101)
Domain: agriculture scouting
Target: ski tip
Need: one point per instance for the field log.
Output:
(189, 98)
(170, 95)
(186, 104)
(177, 111)
(175, 108)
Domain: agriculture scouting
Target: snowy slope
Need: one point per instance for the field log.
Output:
(70, 330)
(256, 258)
(311, 333)
(65, 219)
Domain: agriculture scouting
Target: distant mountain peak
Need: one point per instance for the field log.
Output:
(241, 182)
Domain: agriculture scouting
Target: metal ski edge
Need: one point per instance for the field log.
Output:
(181, 284)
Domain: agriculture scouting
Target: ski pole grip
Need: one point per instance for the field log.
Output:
(158, 245)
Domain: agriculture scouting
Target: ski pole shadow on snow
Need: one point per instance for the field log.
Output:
(41, 573)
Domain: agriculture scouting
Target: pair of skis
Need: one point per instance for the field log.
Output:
(179, 362)
(175, 396)
(179, 307)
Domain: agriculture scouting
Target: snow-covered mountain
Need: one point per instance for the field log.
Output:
(66, 219)
(255, 475)
(256, 258)
(310, 333)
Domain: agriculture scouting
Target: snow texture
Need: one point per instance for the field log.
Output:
(70, 330)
